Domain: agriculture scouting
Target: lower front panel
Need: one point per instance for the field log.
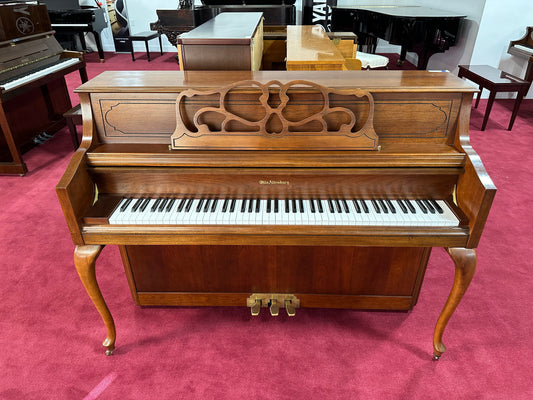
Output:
(323, 276)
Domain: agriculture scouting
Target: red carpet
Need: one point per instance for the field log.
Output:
(50, 331)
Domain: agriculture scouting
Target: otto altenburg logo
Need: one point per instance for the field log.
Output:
(25, 25)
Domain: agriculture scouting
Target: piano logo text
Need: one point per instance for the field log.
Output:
(272, 182)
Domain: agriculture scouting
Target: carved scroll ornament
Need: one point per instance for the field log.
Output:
(291, 116)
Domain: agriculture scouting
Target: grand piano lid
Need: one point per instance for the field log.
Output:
(408, 11)
(248, 2)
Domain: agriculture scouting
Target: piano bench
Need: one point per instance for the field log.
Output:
(145, 37)
(495, 80)
(73, 118)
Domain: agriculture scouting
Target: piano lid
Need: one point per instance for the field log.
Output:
(248, 2)
(58, 5)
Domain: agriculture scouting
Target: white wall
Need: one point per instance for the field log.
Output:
(501, 24)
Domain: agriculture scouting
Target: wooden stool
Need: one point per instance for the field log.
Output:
(73, 118)
(495, 80)
(145, 37)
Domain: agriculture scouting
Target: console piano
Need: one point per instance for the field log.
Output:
(422, 30)
(523, 48)
(174, 22)
(32, 81)
(234, 188)
(68, 17)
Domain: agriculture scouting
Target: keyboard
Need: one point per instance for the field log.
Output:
(26, 78)
(253, 211)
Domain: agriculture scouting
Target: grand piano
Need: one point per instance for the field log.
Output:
(258, 189)
(173, 22)
(32, 81)
(422, 30)
(68, 17)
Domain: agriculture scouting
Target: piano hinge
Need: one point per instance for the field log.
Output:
(274, 301)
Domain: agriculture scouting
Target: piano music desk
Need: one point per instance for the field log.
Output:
(145, 37)
(495, 80)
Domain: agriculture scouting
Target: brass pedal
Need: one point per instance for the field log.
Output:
(289, 307)
(256, 307)
(274, 308)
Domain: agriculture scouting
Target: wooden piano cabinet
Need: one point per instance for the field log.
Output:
(421, 120)
(321, 276)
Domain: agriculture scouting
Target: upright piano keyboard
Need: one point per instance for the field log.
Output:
(253, 188)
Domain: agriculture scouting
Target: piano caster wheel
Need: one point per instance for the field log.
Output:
(436, 357)
(109, 352)
(399, 63)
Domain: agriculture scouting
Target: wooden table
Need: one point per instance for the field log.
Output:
(495, 80)
(310, 49)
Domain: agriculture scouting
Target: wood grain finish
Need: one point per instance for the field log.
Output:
(230, 41)
(421, 119)
(310, 49)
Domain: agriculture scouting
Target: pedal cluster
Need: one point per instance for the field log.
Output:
(274, 301)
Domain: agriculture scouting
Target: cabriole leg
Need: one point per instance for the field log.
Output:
(465, 266)
(84, 260)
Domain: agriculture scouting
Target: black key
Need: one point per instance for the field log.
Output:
(287, 209)
(126, 204)
(319, 204)
(365, 207)
(243, 205)
(170, 204)
(154, 206)
(145, 204)
(391, 206)
(331, 208)
(137, 204)
(189, 205)
(232, 207)
(162, 205)
(206, 206)
(294, 210)
(345, 206)
(402, 206)
(356, 205)
(337, 206)
(251, 205)
(258, 205)
(301, 203)
(276, 206)
(422, 207)
(269, 206)
(225, 205)
(436, 206)
(410, 206)
(429, 206)
(313, 209)
(182, 204)
(200, 204)
(383, 206)
(376, 206)
(214, 205)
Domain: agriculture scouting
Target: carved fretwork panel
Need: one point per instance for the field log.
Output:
(248, 115)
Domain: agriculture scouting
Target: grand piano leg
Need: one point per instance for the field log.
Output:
(465, 266)
(84, 260)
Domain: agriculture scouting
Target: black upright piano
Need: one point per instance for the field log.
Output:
(33, 66)
(422, 30)
(174, 22)
(67, 17)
